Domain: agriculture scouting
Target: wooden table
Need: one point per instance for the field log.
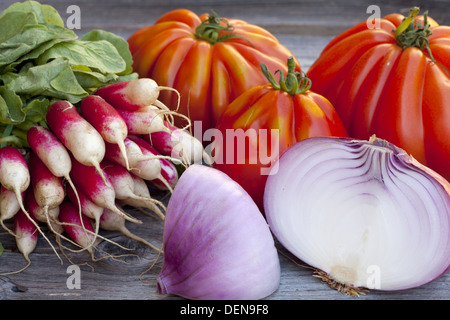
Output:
(304, 27)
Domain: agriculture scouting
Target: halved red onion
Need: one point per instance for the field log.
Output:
(217, 244)
(363, 213)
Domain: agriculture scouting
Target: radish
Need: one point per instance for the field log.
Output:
(90, 210)
(147, 120)
(87, 207)
(51, 151)
(48, 189)
(141, 189)
(134, 94)
(168, 174)
(77, 134)
(9, 206)
(140, 186)
(15, 176)
(107, 121)
(113, 222)
(147, 169)
(88, 181)
(26, 235)
(14, 172)
(178, 143)
(134, 154)
(79, 228)
(50, 217)
(123, 185)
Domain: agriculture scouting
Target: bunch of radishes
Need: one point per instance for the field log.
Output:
(108, 150)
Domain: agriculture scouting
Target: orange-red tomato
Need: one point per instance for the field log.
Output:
(209, 60)
(381, 84)
(271, 119)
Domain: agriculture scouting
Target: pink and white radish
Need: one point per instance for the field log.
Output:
(78, 228)
(77, 134)
(134, 94)
(168, 174)
(15, 176)
(144, 121)
(88, 181)
(14, 172)
(51, 151)
(9, 206)
(123, 185)
(90, 210)
(134, 154)
(50, 156)
(112, 222)
(141, 189)
(88, 207)
(107, 121)
(179, 144)
(26, 236)
(47, 188)
(147, 169)
(140, 186)
(50, 217)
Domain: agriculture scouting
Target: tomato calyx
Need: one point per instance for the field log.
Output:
(294, 83)
(412, 33)
(209, 30)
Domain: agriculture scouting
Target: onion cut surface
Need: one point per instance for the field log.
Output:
(365, 213)
(217, 244)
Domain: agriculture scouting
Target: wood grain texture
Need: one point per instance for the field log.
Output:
(305, 27)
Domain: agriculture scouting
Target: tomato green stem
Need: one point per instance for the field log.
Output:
(294, 83)
(209, 30)
(411, 33)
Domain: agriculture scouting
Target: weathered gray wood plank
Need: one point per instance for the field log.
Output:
(305, 27)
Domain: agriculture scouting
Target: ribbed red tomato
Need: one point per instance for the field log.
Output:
(394, 82)
(263, 122)
(209, 60)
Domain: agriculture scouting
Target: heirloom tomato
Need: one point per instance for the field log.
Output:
(391, 78)
(263, 122)
(207, 59)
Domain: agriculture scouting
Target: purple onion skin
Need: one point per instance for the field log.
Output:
(217, 244)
